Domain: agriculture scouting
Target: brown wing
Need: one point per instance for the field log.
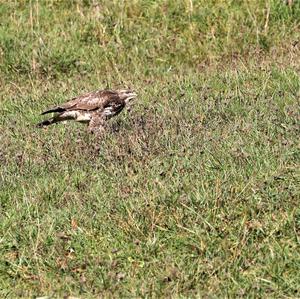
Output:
(89, 101)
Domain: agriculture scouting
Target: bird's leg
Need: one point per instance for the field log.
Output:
(97, 125)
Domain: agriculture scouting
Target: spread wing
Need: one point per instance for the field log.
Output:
(90, 101)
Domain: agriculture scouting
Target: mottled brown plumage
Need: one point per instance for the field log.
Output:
(93, 108)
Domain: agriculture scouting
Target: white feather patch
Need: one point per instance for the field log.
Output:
(108, 111)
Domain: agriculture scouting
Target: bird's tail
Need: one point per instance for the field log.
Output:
(55, 109)
(46, 122)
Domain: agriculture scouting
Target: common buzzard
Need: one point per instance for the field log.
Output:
(93, 108)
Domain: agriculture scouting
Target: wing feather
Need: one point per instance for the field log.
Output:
(89, 101)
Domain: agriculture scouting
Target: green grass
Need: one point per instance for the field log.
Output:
(195, 193)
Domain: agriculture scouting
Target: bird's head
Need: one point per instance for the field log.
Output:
(127, 95)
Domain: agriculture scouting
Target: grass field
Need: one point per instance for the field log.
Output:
(194, 193)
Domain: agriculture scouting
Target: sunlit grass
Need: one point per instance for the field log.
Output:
(193, 193)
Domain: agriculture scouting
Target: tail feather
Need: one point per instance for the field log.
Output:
(55, 109)
(57, 118)
(46, 122)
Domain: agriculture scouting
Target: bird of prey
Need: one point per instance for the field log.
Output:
(93, 108)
